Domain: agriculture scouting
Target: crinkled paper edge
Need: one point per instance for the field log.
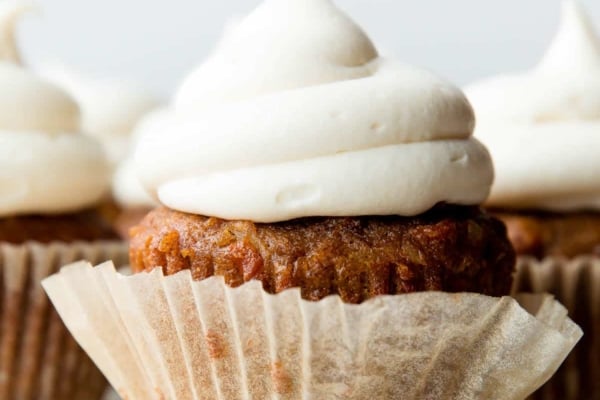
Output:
(39, 359)
(171, 337)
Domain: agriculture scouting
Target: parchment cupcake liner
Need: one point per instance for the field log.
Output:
(157, 337)
(38, 357)
(576, 284)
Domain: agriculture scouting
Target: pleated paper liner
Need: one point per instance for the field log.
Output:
(157, 337)
(576, 284)
(38, 357)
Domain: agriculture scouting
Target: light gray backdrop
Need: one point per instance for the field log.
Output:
(157, 41)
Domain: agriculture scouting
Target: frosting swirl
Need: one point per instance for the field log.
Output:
(542, 127)
(110, 108)
(45, 167)
(127, 189)
(296, 115)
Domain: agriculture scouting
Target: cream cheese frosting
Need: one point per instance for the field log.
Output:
(45, 166)
(295, 115)
(543, 126)
(127, 189)
(110, 108)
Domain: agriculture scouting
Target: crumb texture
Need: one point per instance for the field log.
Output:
(450, 248)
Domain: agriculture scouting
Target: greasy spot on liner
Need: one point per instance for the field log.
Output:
(377, 127)
(216, 347)
(281, 379)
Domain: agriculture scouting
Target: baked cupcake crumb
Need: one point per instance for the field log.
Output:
(450, 248)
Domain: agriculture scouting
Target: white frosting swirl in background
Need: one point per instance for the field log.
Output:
(127, 189)
(543, 127)
(296, 115)
(110, 108)
(45, 167)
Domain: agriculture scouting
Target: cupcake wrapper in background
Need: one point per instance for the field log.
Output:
(576, 284)
(38, 357)
(157, 337)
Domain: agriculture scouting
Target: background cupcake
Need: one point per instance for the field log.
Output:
(51, 177)
(301, 159)
(110, 111)
(542, 129)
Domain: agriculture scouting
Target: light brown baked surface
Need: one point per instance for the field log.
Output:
(448, 249)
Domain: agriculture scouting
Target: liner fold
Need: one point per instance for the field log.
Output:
(38, 357)
(576, 284)
(157, 337)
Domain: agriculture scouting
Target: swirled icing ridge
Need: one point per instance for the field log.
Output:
(543, 126)
(296, 115)
(45, 166)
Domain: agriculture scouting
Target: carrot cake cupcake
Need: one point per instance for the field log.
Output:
(310, 161)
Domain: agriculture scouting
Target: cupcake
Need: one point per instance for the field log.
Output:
(51, 177)
(542, 127)
(260, 181)
(303, 178)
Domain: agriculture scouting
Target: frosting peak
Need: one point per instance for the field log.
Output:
(542, 126)
(10, 11)
(296, 115)
(281, 45)
(575, 48)
(565, 86)
(27, 102)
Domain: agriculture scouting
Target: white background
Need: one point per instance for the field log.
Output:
(156, 42)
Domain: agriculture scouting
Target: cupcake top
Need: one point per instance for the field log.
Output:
(110, 108)
(296, 115)
(46, 167)
(543, 126)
